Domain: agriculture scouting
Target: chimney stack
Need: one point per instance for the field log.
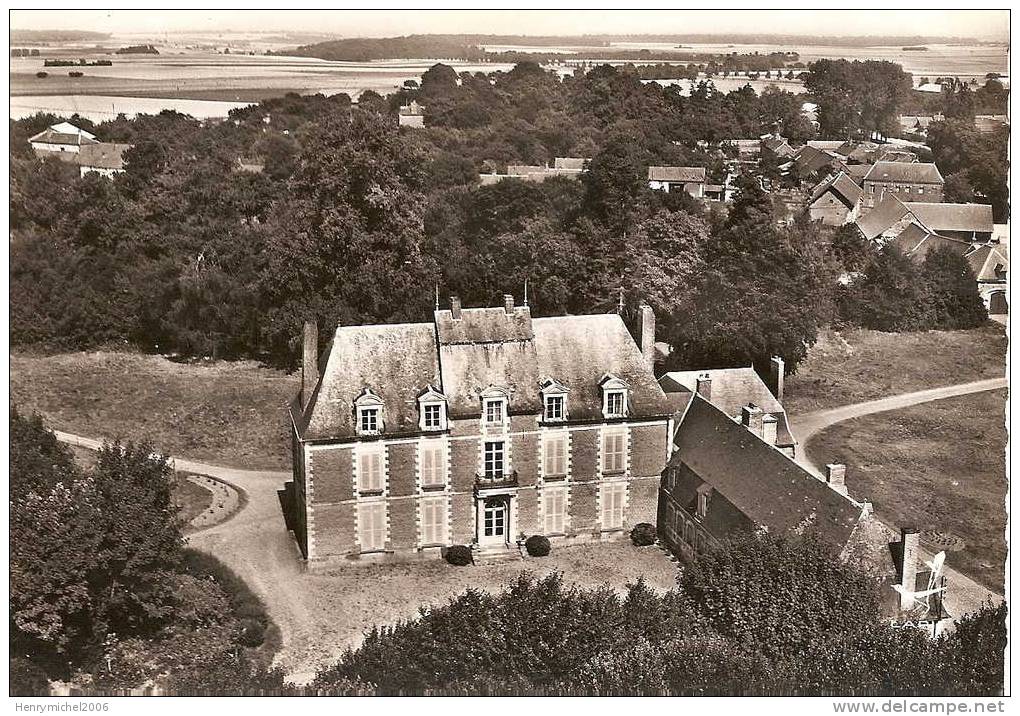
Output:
(753, 418)
(455, 307)
(835, 476)
(309, 362)
(647, 334)
(777, 372)
(705, 386)
(508, 303)
(910, 542)
(769, 428)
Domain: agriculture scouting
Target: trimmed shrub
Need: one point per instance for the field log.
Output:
(459, 555)
(643, 534)
(538, 546)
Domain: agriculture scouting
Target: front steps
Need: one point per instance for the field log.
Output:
(498, 555)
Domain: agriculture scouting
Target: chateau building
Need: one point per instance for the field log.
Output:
(483, 427)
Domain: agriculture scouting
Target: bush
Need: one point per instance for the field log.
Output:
(27, 679)
(643, 534)
(42, 75)
(459, 555)
(538, 546)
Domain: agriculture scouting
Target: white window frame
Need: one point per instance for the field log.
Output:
(370, 452)
(430, 400)
(486, 460)
(366, 402)
(493, 396)
(551, 457)
(554, 510)
(552, 392)
(372, 523)
(437, 449)
(613, 504)
(434, 516)
(614, 386)
(605, 467)
(491, 406)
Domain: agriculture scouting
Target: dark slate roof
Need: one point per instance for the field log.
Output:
(103, 155)
(396, 361)
(762, 483)
(842, 186)
(916, 241)
(953, 217)
(732, 389)
(857, 172)
(908, 173)
(886, 213)
(810, 159)
(677, 174)
(578, 351)
(485, 348)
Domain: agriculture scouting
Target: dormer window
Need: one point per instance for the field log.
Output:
(369, 413)
(614, 397)
(494, 406)
(432, 410)
(554, 401)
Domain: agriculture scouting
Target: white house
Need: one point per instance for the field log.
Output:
(63, 137)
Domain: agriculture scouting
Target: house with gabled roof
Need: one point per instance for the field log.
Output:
(63, 137)
(909, 181)
(103, 158)
(481, 427)
(971, 223)
(689, 179)
(836, 200)
(724, 479)
(990, 264)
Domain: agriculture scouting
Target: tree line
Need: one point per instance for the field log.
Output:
(354, 220)
(103, 592)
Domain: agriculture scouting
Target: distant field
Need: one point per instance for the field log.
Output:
(854, 366)
(232, 414)
(940, 466)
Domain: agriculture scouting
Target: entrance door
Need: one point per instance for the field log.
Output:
(998, 303)
(494, 523)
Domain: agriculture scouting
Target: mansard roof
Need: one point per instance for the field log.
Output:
(464, 357)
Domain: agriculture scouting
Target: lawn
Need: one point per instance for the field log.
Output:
(340, 606)
(853, 366)
(192, 500)
(937, 466)
(225, 413)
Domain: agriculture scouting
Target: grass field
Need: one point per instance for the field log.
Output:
(853, 366)
(226, 413)
(192, 499)
(938, 465)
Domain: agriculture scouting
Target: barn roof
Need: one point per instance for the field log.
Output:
(762, 483)
(677, 174)
(103, 155)
(906, 172)
(953, 217)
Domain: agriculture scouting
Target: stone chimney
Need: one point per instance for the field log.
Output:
(777, 372)
(647, 333)
(835, 477)
(508, 303)
(455, 307)
(769, 428)
(704, 387)
(753, 418)
(309, 361)
(910, 542)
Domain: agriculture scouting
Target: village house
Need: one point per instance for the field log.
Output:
(724, 478)
(968, 223)
(411, 115)
(105, 159)
(570, 167)
(811, 161)
(689, 179)
(61, 138)
(909, 181)
(482, 427)
(777, 145)
(836, 200)
(991, 267)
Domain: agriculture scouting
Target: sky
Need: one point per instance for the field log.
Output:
(978, 24)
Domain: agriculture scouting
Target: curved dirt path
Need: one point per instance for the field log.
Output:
(964, 595)
(256, 544)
